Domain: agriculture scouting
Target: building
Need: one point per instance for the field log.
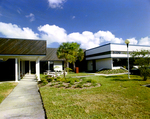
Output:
(20, 56)
(51, 61)
(110, 56)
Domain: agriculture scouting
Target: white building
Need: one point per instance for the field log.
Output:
(109, 56)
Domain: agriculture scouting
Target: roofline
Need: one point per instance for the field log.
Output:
(22, 39)
(117, 44)
(20, 55)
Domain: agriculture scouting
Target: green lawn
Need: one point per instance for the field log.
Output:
(5, 89)
(118, 97)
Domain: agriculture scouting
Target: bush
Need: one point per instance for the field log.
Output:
(79, 86)
(68, 86)
(94, 84)
(50, 79)
(59, 79)
(43, 82)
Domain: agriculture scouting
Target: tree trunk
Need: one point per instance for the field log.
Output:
(65, 64)
(74, 66)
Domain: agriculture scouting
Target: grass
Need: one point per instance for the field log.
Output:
(114, 71)
(118, 97)
(71, 74)
(5, 89)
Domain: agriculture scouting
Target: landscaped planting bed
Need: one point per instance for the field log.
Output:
(60, 82)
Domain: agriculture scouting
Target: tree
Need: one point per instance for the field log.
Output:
(143, 60)
(76, 52)
(70, 52)
(63, 53)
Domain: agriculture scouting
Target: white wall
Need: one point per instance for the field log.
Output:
(118, 47)
(104, 63)
(58, 66)
(89, 65)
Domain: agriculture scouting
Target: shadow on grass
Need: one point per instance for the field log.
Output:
(124, 78)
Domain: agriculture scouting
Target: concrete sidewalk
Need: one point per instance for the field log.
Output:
(24, 102)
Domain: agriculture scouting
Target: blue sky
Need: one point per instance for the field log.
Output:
(89, 22)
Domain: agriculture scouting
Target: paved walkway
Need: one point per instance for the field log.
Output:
(24, 102)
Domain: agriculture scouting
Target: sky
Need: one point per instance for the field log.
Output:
(90, 23)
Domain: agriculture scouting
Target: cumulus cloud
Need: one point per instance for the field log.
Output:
(13, 31)
(144, 41)
(87, 39)
(53, 33)
(56, 3)
(133, 41)
(31, 16)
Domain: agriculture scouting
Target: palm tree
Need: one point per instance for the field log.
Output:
(77, 53)
(70, 52)
(63, 53)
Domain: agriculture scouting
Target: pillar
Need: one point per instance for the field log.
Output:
(38, 69)
(19, 69)
(48, 65)
(29, 67)
(16, 70)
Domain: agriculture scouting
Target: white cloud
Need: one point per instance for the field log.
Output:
(53, 33)
(144, 41)
(13, 31)
(56, 3)
(73, 17)
(31, 16)
(133, 41)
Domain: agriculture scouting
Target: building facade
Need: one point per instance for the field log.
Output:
(18, 55)
(110, 56)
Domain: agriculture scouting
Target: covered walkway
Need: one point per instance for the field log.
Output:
(24, 102)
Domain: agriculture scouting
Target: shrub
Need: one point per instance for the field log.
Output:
(61, 85)
(58, 79)
(43, 82)
(94, 84)
(79, 86)
(76, 80)
(50, 79)
(69, 85)
(72, 82)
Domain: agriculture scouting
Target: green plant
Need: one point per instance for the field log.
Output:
(79, 86)
(69, 85)
(43, 82)
(72, 82)
(61, 85)
(50, 79)
(58, 79)
(94, 84)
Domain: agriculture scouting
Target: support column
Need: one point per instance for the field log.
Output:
(38, 69)
(19, 69)
(16, 70)
(22, 68)
(112, 63)
(29, 67)
(48, 65)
